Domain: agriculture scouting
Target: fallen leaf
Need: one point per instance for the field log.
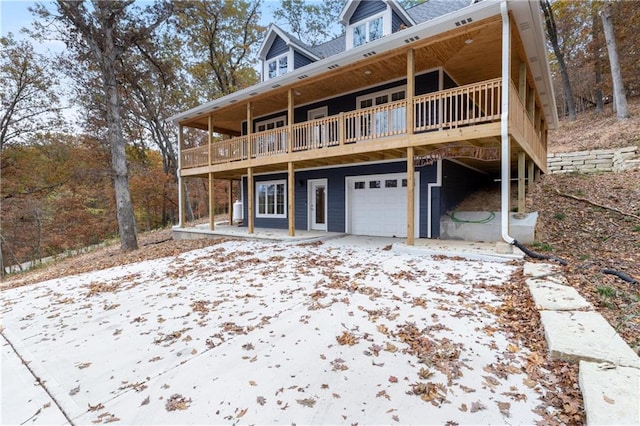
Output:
(307, 402)
(242, 413)
(463, 408)
(477, 406)
(504, 408)
(261, 400)
(252, 383)
(145, 401)
(393, 379)
(77, 389)
(395, 418)
(609, 400)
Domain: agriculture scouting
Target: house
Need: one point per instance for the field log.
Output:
(384, 129)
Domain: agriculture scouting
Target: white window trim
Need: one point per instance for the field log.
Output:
(269, 121)
(266, 62)
(386, 27)
(322, 110)
(257, 194)
(388, 92)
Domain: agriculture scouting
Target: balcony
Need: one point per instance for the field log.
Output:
(456, 108)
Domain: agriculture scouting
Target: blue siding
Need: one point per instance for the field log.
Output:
(366, 9)
(448, 82)
(336, 192)
(300, 60)
(278, 47)
(396, 22)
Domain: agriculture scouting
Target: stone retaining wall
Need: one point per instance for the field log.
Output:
(599, 160)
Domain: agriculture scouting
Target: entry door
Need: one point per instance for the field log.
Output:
(318, 136)
(318, 204)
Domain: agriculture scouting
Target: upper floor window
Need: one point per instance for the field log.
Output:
(368, 31)
(277, 66)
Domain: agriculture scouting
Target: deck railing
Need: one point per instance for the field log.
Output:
(521, 123)
(461, 106)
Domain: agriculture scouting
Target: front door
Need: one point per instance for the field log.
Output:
(318, 204)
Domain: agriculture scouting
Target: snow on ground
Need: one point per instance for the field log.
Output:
(259, 332)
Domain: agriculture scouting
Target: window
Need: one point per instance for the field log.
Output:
(271, 199)
(391, 183)
(368, 31)
(277, 66)
(374, 184)
(404, 183)
(359, 185)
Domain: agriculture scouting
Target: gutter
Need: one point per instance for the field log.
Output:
(504, 126)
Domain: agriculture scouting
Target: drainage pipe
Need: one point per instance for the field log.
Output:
(504, 125)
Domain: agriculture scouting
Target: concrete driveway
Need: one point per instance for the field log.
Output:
(272, 333)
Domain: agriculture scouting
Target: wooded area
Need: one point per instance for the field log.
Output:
(111, 170)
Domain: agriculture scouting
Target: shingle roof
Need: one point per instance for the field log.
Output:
(431, 9)
(330, 48)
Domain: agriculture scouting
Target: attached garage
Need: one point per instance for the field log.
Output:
(377, 205)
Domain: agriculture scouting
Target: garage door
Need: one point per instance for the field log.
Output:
(378, 205)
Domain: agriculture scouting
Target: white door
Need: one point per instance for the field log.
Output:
(318, 204)
(318, 133)
(377, 205)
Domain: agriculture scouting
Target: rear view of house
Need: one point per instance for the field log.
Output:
(384, 129)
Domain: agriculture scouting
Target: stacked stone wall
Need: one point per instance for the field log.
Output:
(599, 160)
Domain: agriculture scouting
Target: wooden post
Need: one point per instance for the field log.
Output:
(250, 207)
(522, 86)
(410, 90)
(341, 127)
(230, 202)
(291, 200)
(210, 132)
(212, 204)
(531, 103)
(410, 196)
(290, 121)
(249, 129)
(521, 181)
(182, 208)
(530, 175)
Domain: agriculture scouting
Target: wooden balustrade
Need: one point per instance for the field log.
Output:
(461, 106)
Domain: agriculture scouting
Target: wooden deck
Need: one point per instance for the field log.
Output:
(467, 114)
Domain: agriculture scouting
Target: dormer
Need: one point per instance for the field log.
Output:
(370, 20)
(281, 53)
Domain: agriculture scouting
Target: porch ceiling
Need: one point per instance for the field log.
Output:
(465, 61)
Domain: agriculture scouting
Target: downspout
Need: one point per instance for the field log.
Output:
(180, 189)
(504, 125)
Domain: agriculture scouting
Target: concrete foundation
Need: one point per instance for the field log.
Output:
(463, 228)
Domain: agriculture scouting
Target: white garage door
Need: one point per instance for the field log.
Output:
(377, 205)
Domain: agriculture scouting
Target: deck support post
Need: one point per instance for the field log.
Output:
(249, 130)
(410, 91)
(230, 202)
(250, 198)
(182, 205)
(291, 200)
(210, 137)
(521, 182)
(522, 86)
(410, 196)
(530, 175)
(290, 121)
(212, 203)
(341, 127)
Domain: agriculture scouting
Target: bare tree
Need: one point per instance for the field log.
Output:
(552, 32)
(620, 98)
(100, 34)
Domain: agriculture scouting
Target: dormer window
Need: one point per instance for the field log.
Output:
(368, 31)
(278, 66)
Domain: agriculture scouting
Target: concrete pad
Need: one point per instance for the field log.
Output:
(576, 335)
(23, 400)
(458, 249)
(536, 270)
(556, 297)
(611, 394)
(486, 226)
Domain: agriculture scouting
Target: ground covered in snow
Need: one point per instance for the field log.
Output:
(257, 332)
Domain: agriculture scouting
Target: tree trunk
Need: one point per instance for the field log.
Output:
(597, 60)
(124, 206)
(553, 37)
(622, 109)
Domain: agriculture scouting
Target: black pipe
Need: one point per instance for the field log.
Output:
(621, 275)
(538, 255)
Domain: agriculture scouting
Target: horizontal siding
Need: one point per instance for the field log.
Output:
(300, 60)
(366, 9)
(396, 22)
(336, 194)
(278, 47)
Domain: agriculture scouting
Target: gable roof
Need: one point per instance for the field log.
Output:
(273, 32)
(351, 6)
